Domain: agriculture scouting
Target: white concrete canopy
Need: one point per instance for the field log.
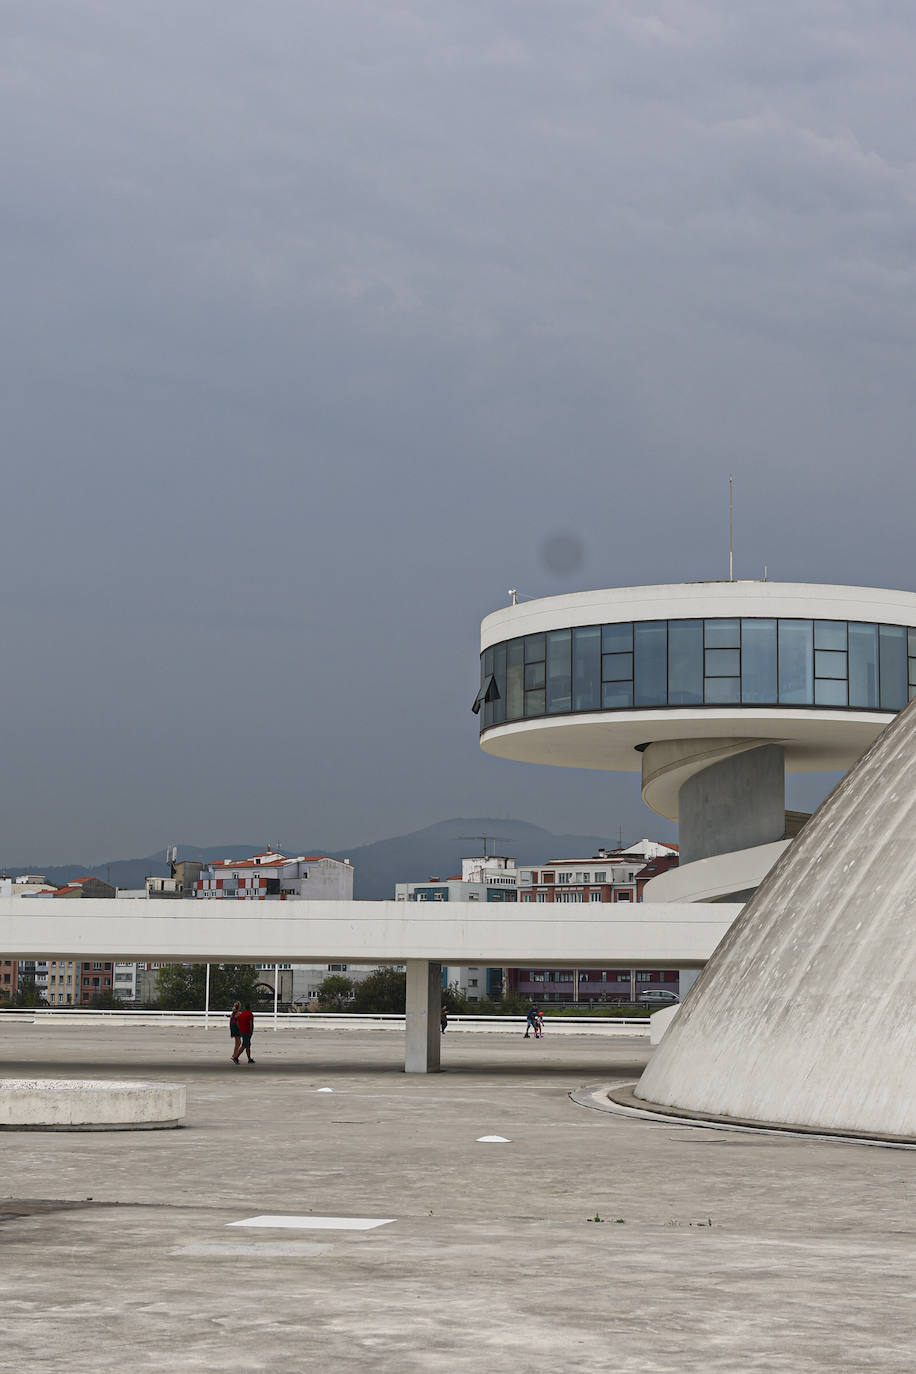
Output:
(551, 934)
(815, 739)
(421, 935)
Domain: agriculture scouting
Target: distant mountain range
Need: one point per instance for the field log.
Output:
(435, 851)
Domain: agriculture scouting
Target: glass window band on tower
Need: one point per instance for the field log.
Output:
(652, 664)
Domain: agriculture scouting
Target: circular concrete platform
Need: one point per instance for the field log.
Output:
(89, 1104)
(620, 1099)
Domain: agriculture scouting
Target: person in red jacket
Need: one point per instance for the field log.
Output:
(245, 1022)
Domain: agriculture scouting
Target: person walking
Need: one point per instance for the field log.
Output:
(245, 1020)
(539, 1025)
(234, 1031)
(443, 1020)
(531, 1022)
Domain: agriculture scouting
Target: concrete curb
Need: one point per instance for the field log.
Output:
(619, 1099)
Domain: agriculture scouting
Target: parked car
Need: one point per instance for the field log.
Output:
(659, 995)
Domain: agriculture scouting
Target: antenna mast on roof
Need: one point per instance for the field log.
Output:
(484, 837)
(731, 483)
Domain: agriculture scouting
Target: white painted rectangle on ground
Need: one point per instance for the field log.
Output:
(316, 1223)
(286, 1249)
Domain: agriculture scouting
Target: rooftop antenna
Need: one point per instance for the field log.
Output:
(513, 594)
(484, 837)
(731, 483)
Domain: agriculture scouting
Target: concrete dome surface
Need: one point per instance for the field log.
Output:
(806, 1013)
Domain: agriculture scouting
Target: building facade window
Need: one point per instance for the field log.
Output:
(752, 661)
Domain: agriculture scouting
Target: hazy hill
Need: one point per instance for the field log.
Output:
(436, 850)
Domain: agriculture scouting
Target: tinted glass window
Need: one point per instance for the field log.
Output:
(758, 660)
(829, 663)
(499, 672)
(722, 663)
(535, 703)
(892, 655)
(830, 692)
(535, 675)
(486, 671)
(617, 667)
(515, 685)
(863, 664)
(616, 695)
(723, 691)
(722, 634)
(650, 662)
(617, 639)
(685, 662)
(587, 668)
(830, 634)
(796, 662)
(559, 670)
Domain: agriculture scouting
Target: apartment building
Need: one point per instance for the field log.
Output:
(275, 877)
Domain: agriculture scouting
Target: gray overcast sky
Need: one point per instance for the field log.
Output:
(320, 320)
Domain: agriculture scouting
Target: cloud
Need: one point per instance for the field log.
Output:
(331, 315)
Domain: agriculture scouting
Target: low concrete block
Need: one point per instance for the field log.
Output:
(89, 1104)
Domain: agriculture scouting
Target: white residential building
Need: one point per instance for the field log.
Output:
(31, 885)
(126, 982)
(275, 877)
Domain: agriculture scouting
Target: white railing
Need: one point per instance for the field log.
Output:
(329, 1019)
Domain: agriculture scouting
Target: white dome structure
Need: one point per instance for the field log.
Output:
(805, 1016)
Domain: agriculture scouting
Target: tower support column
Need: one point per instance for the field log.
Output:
(736, 803)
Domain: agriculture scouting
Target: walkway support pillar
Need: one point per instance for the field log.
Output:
(424, 1003)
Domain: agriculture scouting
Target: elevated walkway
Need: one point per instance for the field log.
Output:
(422, 936)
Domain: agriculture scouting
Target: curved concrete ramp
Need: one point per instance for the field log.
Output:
(92, 1104)
(806, 1013)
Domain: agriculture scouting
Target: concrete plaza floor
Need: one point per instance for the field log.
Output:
(715, 1251)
